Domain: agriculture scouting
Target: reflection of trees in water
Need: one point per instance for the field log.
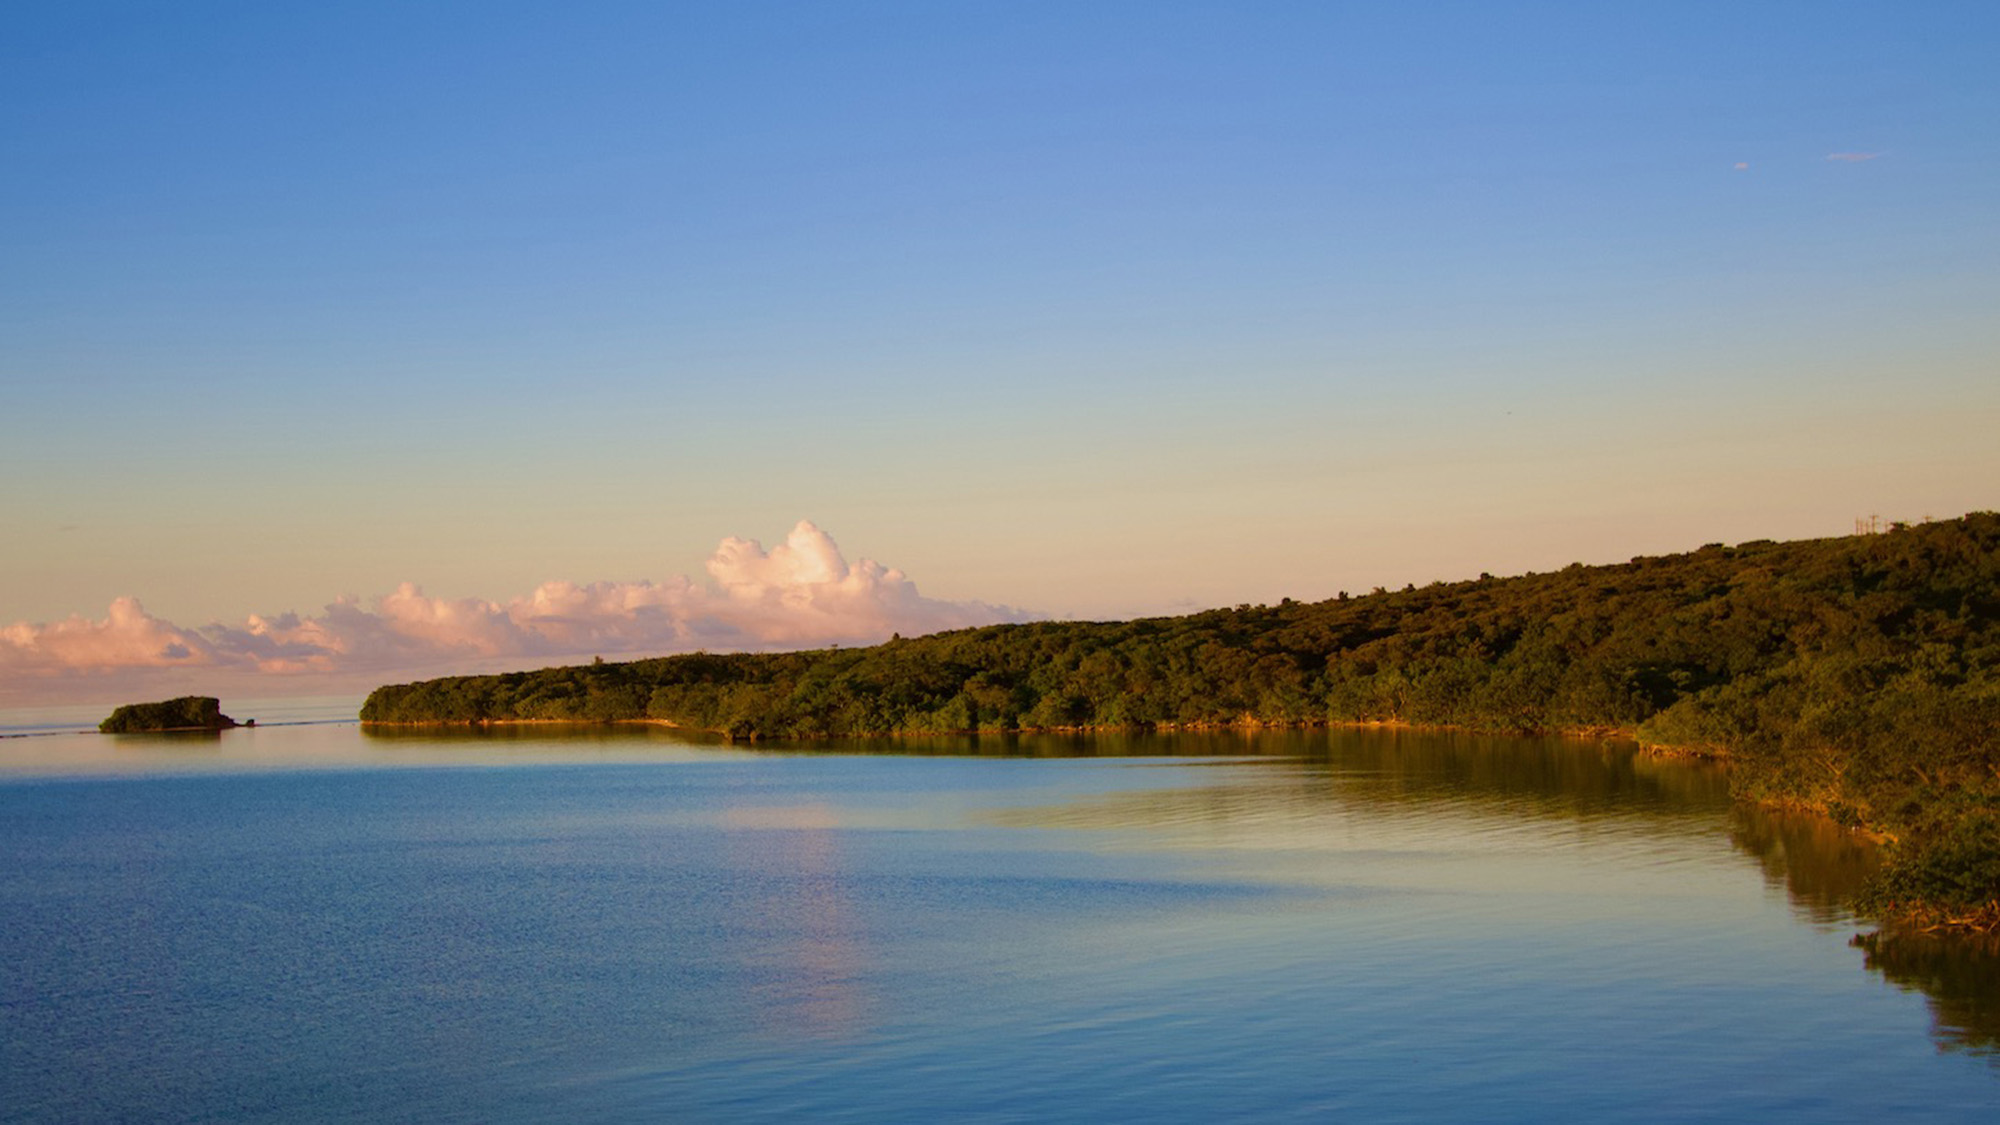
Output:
(1820, 864)
(1397, 777)
(1537, 777)
(1550, 776)
(1960, 977)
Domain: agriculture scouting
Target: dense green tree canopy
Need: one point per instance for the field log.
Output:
(189, 712)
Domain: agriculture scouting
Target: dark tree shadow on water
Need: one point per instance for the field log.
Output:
(1958, 974)
(1822, 867)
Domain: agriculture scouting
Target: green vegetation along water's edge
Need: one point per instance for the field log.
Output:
(1857, 676)
(189, 712)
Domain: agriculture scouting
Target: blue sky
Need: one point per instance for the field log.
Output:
(1090, 310)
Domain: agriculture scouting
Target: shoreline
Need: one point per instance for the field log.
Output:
(1600, 733)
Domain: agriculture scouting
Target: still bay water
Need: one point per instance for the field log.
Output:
(314, 922)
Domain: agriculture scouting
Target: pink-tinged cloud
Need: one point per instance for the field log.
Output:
(799, 594)
(128, 637)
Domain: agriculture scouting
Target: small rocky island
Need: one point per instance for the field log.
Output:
(189, 712)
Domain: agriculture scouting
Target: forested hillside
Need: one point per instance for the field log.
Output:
(1858, 675)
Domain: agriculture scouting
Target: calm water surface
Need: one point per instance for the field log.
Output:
(311, 922)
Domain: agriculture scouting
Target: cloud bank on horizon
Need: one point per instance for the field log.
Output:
(799, 594)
